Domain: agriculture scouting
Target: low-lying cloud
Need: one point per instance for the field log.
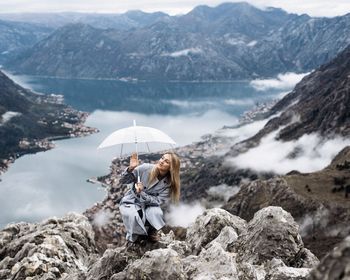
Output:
(184, 52)
(240, 102)
(282, 82)
(184, 214)
(102, 218)
(222, 192)
(243, 132)
(312, 222)
(307, 154)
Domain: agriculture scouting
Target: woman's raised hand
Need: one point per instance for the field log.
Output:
(134, 162)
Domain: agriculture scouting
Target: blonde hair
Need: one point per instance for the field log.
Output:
(173, 176)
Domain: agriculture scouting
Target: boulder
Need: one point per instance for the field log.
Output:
(226, 238)
(212, 263)
(112, 261)
(156, 264)
(208, 226)
(272, 233)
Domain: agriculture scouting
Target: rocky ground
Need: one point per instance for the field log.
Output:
(218, 245)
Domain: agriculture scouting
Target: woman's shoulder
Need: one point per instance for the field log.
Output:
(145, 166)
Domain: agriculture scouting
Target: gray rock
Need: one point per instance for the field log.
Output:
(47, 250)
(180, 247)
(156, 264)
(211, 263)
(272, 233)
(247, 271)
(112, 262)
(226, 238)
(277, 270)
(208, 226)
(336, 265)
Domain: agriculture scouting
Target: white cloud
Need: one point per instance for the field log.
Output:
(311, 153)
(191, 104)
(184, 52)
(319, 219)
(8, 116)
(243, 132)
(235, 41)
(184, 214)
(252, 43)
(222, 192)
(239, 102)
(102, 218)
(283, 82)
(311, 7)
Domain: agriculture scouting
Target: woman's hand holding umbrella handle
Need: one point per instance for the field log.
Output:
(134, 162)
(139, 187)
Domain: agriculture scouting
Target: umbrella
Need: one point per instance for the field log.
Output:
(139, 139)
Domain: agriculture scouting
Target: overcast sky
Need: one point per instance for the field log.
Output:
(312, 7)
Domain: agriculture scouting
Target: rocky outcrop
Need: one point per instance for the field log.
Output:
(65, 249)
(198, 236)
(318, 201)
(261, 193)
(52, 249)
(273, 233)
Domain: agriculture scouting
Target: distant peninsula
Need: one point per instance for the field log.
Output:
(30, 121)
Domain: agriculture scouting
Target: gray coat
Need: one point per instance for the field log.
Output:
(148, 201)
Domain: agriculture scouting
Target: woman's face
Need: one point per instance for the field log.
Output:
(163, 164)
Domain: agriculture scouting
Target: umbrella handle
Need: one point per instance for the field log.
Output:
(137, 156)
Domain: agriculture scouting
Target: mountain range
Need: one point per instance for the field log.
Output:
(17, 36)
(125, 21)
(228, 42)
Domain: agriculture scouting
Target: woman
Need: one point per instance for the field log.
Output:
(140, 207)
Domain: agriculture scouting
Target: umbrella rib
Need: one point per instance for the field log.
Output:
(121, 151)
(148, 147)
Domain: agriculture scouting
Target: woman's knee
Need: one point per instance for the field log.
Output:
(128, 211)
(154, 211)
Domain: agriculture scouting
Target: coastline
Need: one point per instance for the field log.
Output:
(32, 146)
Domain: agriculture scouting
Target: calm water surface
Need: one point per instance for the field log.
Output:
(53, 183)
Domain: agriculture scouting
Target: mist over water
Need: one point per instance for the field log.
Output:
(53, 183)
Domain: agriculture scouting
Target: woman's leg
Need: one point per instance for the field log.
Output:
(154, 215)
(132, 222)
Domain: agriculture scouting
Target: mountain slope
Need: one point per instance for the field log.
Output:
(319, 103)
(17, 36)
(128, 20)
(26, 118)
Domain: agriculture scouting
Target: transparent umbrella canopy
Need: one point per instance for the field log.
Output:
(139, 139)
